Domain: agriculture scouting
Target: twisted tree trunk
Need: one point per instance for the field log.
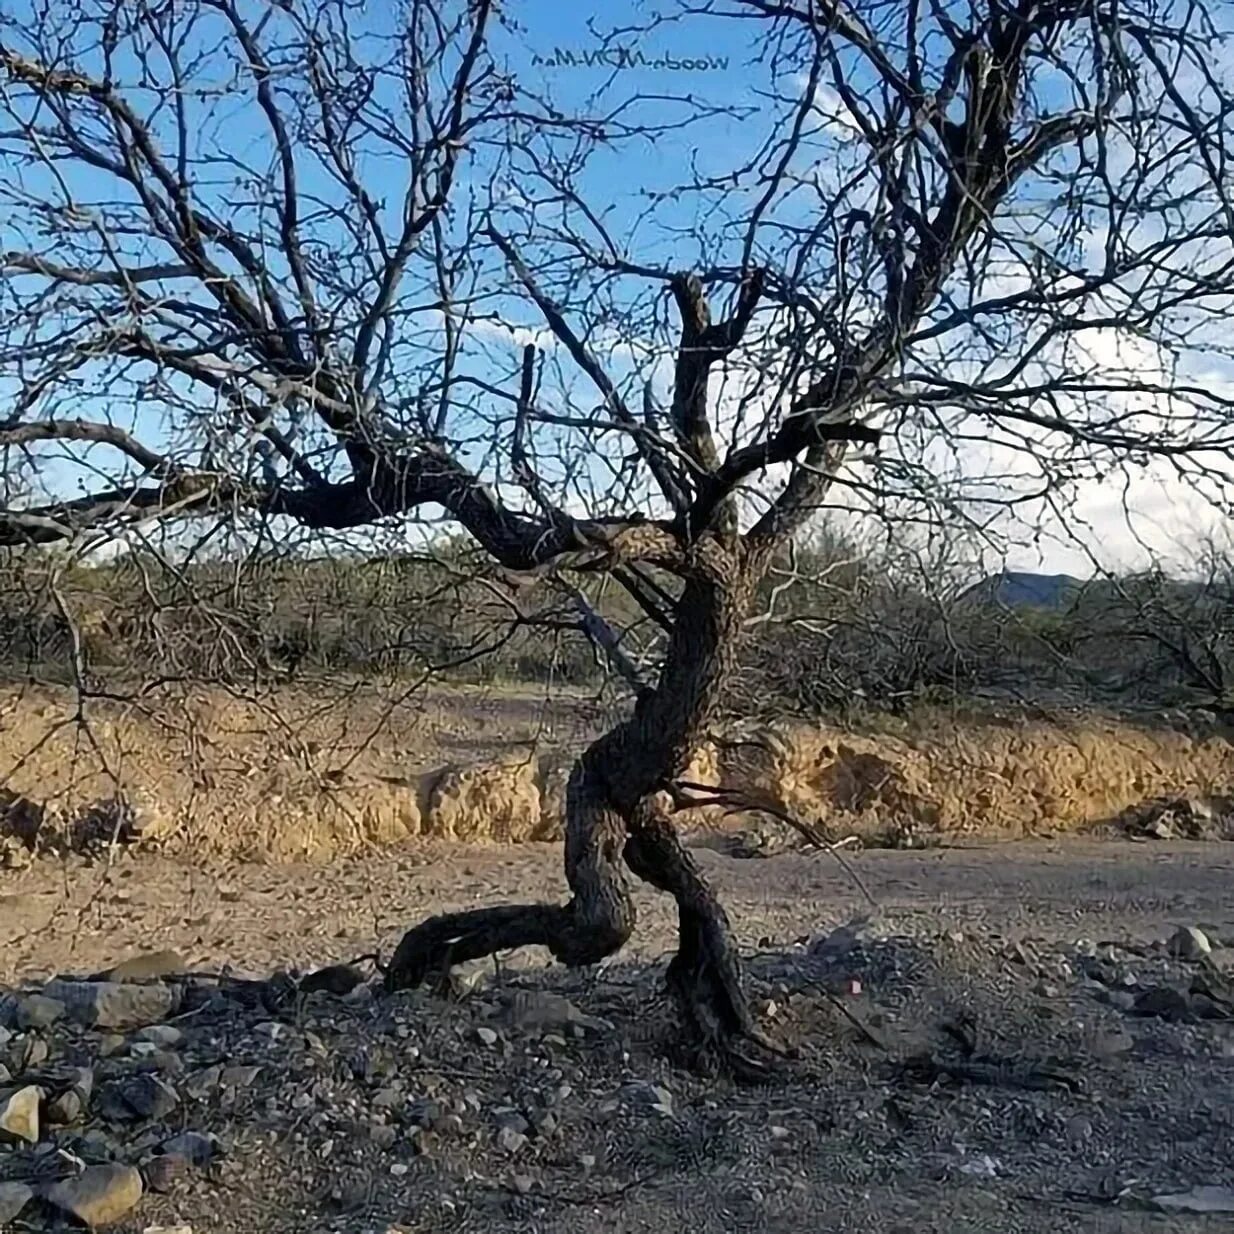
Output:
(618, 817)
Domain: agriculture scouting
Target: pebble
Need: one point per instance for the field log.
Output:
(142, 1096)
(110, 1004)
(65, 1109)
(39, 1011)
(164, 1171)
(19, 1115)
(399, 1168)
(199, 1149)
(99, 1195)
(28, 1052)
(13, 1198)
(544, 1011)
(486, 1036)
(383, 1136)
(510, 1140)
(643, 1095)
(1189, 943)
(162, 1035)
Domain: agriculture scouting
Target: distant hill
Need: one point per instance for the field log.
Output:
(1024, 589)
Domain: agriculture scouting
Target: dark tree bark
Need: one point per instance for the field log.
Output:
(618, 813)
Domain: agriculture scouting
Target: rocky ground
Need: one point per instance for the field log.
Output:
(1012, 1038)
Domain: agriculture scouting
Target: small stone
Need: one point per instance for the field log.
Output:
(522, 1183)
(109, 1004)
(1164, 1002)
(486, 1036)
(65, 1109)
(642, 1095)
(388, 1099)
(543, 1011)
(238, 1077)
(544, 1122)
(39, 1011)
(382, 1136)
(111, 1044)
(336, 979)
(1189, 943)
(164, 1036)
(512, 1119)
(1079, 1129)
(587, 1161)
(99, 1195)
(142, 1096)
(1110, 1043)
(197, 1148)
(13, 1198)
(19, 1115)
(164, 1171)
(778, 1132)
(399, 1169)
(168, 1229)
(510, 1140)
(27, 1053)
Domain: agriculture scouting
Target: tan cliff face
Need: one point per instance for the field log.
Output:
(284, 778)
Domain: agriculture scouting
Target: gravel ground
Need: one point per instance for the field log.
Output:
(1006, 1044)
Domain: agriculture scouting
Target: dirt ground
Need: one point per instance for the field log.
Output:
(1093, 1078)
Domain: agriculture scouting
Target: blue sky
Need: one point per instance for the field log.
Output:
(615, 182)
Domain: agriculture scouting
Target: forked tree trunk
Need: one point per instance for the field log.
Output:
(618, 817)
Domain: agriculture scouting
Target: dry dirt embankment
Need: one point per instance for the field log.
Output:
(294, 775)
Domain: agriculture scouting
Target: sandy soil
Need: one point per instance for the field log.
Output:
(81, 917)
(1041, 947)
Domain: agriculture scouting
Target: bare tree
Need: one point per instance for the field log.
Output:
(294, 237)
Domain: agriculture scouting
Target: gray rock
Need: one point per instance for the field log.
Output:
(163, 1172)
(545, 1122)
(1189, 943)
(27, 1053)
(65, 1109)
(19, 1115)
(139, 1097)
(424, 1113)
(238, 1077)
(39, 1011)
(382, 1136)
(8, 1011)
(99, 1195)
(647, 1097)
(109, 1004)
(1165, 1003)
(336, 979)
(13, 1198)
(486, 1036)
(510, 1140)
(164, 1036)
(389, 1098)
(197, 1148)
(543, 1011)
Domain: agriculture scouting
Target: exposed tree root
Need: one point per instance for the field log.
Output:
(705, 975)
(596, 922)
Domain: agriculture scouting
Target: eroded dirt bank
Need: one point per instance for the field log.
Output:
(291, 775)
